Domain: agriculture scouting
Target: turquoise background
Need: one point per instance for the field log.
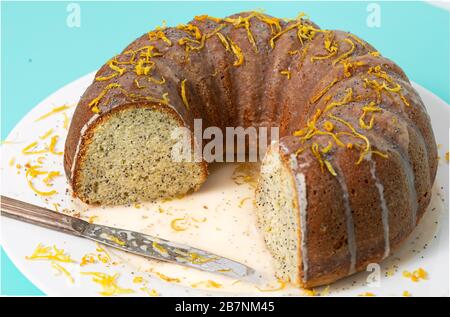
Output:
(40, 53)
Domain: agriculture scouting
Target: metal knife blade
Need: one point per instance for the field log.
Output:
(161, 249)
(126, 240)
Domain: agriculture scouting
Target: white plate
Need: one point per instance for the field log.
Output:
(226, 226)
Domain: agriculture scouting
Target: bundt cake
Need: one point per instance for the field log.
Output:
(349, 177)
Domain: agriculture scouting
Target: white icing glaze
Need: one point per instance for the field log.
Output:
(402, 140)
(348, 220)
(303, 207)
(384, 208)
(293, 161)
(399, 131)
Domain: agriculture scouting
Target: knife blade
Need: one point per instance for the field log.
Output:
(126, 240)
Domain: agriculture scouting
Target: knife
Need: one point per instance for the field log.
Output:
(126, 240)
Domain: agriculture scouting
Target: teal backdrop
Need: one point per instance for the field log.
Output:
(40, 53)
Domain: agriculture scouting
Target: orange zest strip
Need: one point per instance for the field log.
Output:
(53, 111)
(26, 150)
(52, 145)
(46, 134)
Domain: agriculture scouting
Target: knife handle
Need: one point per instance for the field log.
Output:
(36, 215)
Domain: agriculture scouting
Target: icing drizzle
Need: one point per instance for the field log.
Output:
(384, 208)
(348, 221)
